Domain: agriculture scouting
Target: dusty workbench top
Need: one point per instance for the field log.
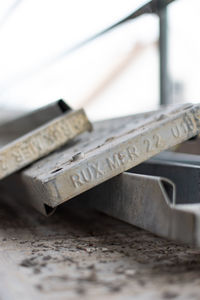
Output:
(79, 253)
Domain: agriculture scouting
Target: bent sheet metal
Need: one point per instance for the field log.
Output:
(112, 148)
(36, 134)
(186, 176)
(144, 199)
(147, 202)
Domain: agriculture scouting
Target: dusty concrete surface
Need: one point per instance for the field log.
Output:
(86, 254)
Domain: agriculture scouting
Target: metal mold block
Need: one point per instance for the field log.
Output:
(112, 148)
(34, 135)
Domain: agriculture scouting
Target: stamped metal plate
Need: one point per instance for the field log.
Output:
(29, 138)
(112, 148)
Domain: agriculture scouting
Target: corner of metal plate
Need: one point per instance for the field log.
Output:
(63, 106)
(48, 210)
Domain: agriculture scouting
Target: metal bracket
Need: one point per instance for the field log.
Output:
(186, 176)
(147, 202)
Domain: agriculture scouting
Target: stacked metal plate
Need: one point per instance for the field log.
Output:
(87, 164)
(35, 135)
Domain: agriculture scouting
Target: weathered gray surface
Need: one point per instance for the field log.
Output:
(185, 176)
(82, 254)
(182, 158)
(39, 142)
(148, 202)
(113, 147)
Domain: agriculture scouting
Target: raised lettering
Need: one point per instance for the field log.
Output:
(185, 127)
(148, 144)
(122, 157)
(113, 163)
(157, 140)
(37, 144)
(3, 164)
(175, 131)
(18, 156)
(49, 138)
(65, 127)
(76, 180)
(97, 170)
(86, 174)
(26, 150)
(132, 152)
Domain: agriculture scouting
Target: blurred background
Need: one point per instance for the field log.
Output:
(116, 74)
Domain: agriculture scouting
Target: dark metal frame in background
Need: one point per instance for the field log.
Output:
(163, 54)
(158, 7)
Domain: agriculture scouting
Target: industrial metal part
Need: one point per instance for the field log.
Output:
(112, 148)
(23, 123)
(147, 202)
(150, 202)
(31, 137)
(183, 158)
(182, 168)
(185, 176)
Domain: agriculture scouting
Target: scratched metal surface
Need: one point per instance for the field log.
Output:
(113, 147)
(37, 143)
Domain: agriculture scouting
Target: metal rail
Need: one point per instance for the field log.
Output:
(163, 54)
